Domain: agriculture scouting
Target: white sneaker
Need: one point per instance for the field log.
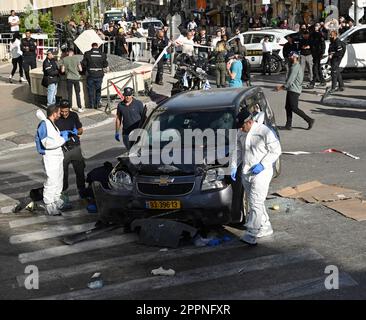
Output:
(80, 110)
(265, 232)
(10, 76)
(22, 79)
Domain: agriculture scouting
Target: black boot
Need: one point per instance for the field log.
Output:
(310, 123)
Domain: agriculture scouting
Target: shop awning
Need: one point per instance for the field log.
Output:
(21, 5)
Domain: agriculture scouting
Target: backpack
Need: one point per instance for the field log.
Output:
(39, 146)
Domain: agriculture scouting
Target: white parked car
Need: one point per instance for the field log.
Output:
(145, 24)
(253, 44)
(354, 59)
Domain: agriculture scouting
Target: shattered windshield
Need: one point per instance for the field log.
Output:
(179, 122)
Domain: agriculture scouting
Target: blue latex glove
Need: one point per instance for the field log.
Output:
(65, 134)
(233, 173)
(74, 131)
(116, 136)
(257, 168)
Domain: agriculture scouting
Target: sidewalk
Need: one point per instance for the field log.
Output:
(18, 108)
(353, 96)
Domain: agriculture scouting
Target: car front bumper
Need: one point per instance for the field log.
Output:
(211, 207)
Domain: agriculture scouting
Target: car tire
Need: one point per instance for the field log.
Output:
(326, 71)
(276, 64)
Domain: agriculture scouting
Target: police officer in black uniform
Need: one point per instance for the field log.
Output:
(158, 45)
(28, 47)
(69, 121)
(95, 62)
(50, 77)
(317, 51)
(336, 51)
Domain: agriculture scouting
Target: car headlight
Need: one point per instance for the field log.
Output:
(214, 179)
(121, 179)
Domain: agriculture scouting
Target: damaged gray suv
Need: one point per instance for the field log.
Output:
(191, 189)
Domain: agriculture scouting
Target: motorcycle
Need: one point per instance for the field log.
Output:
(191, 73)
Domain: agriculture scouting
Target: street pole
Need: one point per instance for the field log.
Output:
(99, 10)
(92, 21)
(172, 52)
(355, 10)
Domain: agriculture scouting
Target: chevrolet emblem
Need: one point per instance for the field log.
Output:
(165, 180)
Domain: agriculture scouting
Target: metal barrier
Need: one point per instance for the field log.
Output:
(127, 79)
(140, 48)
(43, 44)
(5, 39)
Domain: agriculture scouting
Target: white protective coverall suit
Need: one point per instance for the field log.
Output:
(53, 156)
(259, 145)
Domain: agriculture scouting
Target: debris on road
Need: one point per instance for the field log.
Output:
(330, 150)
(162, 232)
(316, 191)
(163, 272)
(275, 207)
(164, 250)
(97, 281)
(347, 202)
(211, 242)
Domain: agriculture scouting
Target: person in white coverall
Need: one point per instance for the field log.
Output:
(257, 149)
(49, 142)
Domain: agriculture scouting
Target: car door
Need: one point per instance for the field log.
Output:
(355, 56)
(254, 49)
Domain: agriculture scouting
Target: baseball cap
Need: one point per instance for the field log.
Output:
(294, 54)
(128, 91)
(50, 51)
(242, 117)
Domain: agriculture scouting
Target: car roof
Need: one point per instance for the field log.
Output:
(208, 99)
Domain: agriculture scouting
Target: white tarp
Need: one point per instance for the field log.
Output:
(21, 5)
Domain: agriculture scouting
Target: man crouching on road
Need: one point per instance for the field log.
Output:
(257, 148)
(49, 142)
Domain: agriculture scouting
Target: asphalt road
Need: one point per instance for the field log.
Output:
(291, 265)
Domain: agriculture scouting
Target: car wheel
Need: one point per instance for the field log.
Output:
(275, 64)
(326, 71)
(277, 168)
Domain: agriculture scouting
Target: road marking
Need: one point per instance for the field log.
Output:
(7, 135)
(46, 218)
(131, 260)
(289, 290)
(122, 262)
(60, 251)
(211, 272)
(51, 232)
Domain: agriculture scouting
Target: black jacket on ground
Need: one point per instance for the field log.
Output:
(94, 61)
(50, 70)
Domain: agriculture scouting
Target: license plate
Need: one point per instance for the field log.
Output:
(163, 205)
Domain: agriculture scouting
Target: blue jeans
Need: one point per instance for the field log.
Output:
(94, 86)
(51, 94)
